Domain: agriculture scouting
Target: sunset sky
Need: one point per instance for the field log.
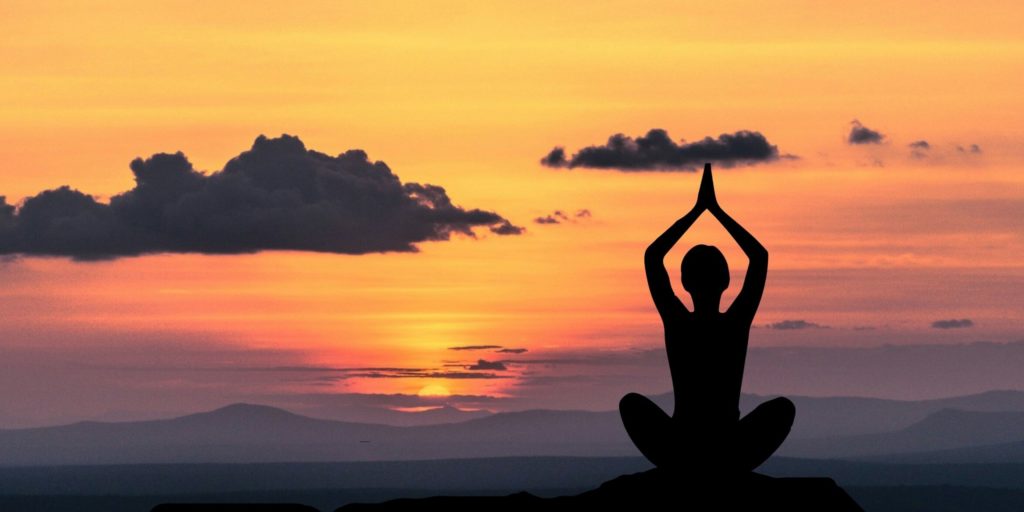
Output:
(871, 243)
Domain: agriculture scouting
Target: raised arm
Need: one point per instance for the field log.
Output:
(757, 270)
(654, 262)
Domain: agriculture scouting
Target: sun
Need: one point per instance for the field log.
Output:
(434, 390)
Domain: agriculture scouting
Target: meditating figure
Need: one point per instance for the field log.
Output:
(706, 353)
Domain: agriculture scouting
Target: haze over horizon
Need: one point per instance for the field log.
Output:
(877, 156)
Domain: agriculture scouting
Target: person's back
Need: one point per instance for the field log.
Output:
(706, 358)
(706, 350)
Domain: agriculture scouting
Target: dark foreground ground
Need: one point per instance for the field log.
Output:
(881, 499)
(327, 486)
(655, 489)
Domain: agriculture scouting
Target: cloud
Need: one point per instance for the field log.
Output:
(487, 365)
(860, 134)
(598, 358)
(795, 325)
(512, 351)
(656, 151)
(554, 218)
(382, 408)
(277, 195)
(973, 148)
(919, 149)
(953, 323)
(6, 216)
(440, 374)
(554, 158)
(379, 399)
(507, 228)
(335, 373)
(314, 369)
(496, 348)
(558, 217)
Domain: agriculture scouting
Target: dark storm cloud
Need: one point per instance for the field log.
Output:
(481, 364)
(657, 151)
(860, 134)
(952, 323)
(277, 195)
(920, 144)
(973, 148)
(795, 325)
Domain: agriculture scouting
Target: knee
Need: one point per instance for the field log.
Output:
(783, 408)
(631, 402)
(634, 406)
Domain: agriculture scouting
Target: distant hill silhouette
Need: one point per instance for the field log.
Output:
(962, 437)
(941, 430)
(385, 416)
(820, 417)
(254, 433)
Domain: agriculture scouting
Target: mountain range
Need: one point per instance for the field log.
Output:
(987, 426)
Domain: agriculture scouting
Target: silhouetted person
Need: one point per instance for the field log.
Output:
(706, 352)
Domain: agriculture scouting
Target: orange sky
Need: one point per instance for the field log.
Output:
(470, 96)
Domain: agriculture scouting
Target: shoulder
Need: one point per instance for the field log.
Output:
(739, 317)
(675, 311)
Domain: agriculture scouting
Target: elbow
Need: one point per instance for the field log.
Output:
(760, 251)
(758, 254)
(653, 255)
(762, 256)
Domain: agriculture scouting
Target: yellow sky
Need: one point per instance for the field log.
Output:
(440, 90)
(469, 96)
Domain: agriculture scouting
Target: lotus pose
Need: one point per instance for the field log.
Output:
(706, 352)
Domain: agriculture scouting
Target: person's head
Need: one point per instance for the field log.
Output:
(704, 271)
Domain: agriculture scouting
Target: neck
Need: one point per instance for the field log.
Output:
(706, 305)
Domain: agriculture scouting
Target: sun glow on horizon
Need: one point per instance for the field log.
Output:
(434, 390)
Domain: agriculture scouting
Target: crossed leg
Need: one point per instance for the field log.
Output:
(660, 439)
(762, 431)
(649, 428)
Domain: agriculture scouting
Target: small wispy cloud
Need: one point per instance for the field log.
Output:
(794, 325)
(953, 323)
(860, 134)
(558, 217)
